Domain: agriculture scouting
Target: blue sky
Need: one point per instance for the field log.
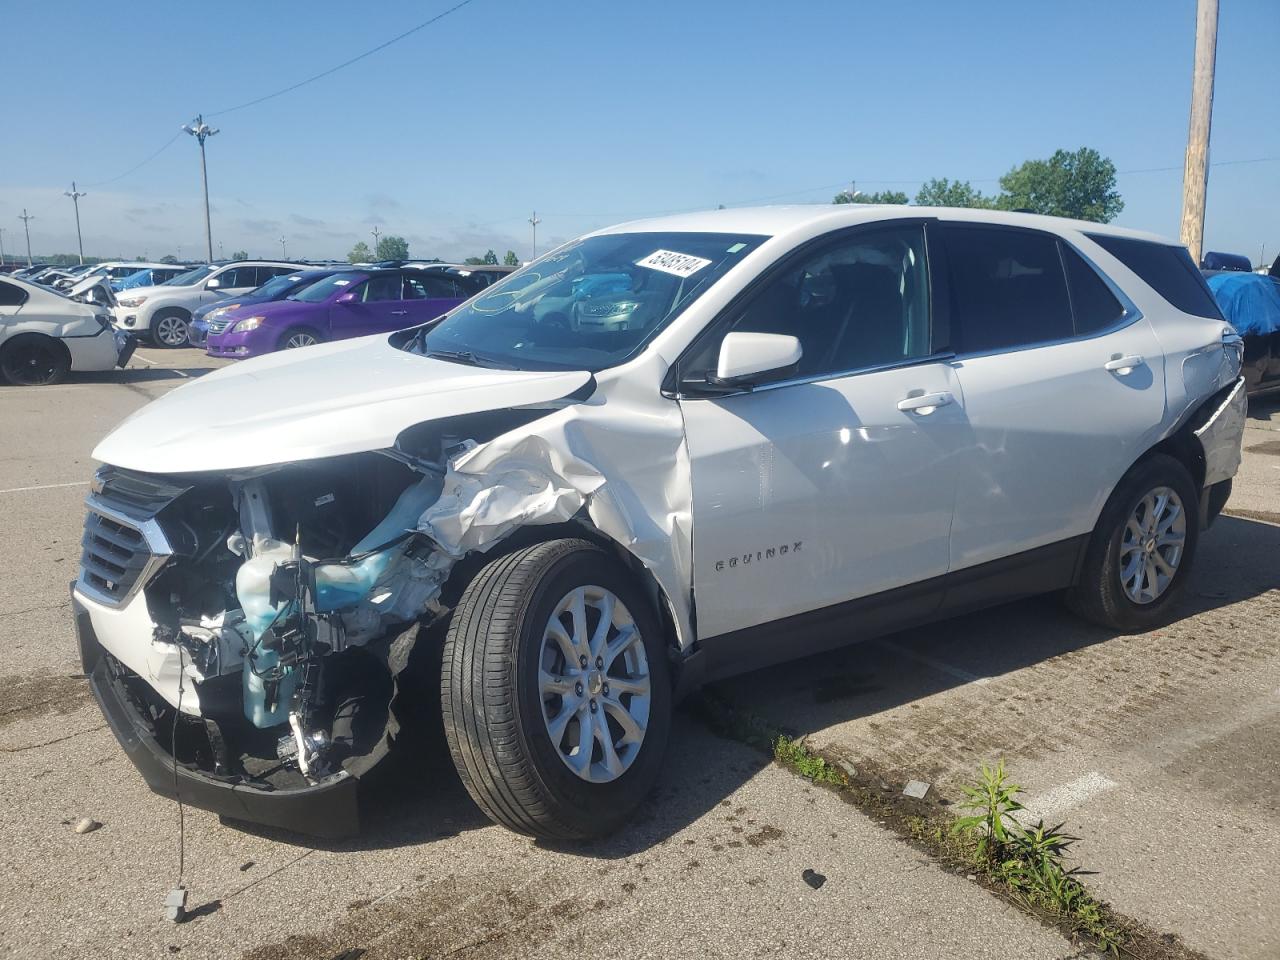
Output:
(593, 112)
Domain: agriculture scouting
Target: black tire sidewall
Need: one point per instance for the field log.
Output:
(1159, 471)
(62, 363)
(597, 807)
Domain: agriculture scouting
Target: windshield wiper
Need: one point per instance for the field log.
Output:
(467, 357)
(455, 356)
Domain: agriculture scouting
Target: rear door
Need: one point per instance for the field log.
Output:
(430, 294)
(1063, 382)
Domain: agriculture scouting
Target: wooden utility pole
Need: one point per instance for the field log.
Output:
(1195, 176)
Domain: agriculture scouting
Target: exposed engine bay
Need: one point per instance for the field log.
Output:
(283, 596)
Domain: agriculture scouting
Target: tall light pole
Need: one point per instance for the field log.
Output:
(2, 260)
(284, 249)
(1195, 175)
(202, 132)
(375, 243)
(533, 222)
(221, 255)
(75, 196)
(26, 225)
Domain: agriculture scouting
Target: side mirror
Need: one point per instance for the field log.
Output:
(746, 355)
(348, 297)
(213, 284)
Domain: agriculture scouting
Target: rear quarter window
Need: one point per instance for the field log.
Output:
(1166, 269)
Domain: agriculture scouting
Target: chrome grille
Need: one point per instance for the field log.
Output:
(219, 326)
(120, 552)
(113, 558)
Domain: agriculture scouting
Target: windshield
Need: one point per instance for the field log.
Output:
(327, 287)
(588, 306)
(278, 286)
(188, 278)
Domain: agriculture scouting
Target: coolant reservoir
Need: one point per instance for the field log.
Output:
(253, 587)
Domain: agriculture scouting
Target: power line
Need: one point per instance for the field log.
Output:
(346, 63)
(138, 166)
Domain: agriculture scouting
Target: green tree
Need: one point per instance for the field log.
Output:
(882, 196)
(511, 260)
(239, 255)
(168, 258)
(1080, 184)
(360, 253)
(490, 257)
(474, 261)
(393, 248)
(952, 193)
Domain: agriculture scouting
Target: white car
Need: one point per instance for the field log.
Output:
(817, 424)
(44, 335)
(162, 313)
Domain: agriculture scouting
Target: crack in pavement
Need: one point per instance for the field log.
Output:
(49, 743)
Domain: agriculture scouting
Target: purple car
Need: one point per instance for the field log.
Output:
(351, 303)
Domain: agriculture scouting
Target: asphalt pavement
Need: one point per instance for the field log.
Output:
(1158, 749)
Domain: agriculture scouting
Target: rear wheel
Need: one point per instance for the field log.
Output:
(32, 359)
(171, 329)
(1142, 548)
(296, 337)
(555, 691)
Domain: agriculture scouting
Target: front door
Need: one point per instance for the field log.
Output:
(835, 480)
(378, 308)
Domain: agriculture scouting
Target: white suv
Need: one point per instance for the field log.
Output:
(163, 313)
(798, 428)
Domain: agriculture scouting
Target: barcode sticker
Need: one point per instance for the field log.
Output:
(676, 264)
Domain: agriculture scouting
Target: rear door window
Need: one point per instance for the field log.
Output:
(1166, 269)
(1094, 305)
(1008, 288)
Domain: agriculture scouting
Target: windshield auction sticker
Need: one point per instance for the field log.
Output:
(676, 264)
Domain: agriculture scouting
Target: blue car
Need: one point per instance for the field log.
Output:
(205, 320)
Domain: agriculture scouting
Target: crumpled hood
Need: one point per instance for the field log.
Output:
(322, 401)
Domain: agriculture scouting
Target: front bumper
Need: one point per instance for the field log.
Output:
(329, 810)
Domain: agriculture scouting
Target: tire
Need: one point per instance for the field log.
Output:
(1107, 586)
(293, 338)
(498, 717)
(170, 328)
(32, 360)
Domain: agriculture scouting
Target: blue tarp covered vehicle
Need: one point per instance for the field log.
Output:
(1251, 304)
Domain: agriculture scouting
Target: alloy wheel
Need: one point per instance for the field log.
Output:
(31, 363)
(594, 684)
(1152, 545)
(299, 339)
(172, 331)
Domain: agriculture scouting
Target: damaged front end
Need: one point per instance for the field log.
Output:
(246, 635)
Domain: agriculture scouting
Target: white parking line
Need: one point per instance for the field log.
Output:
(47, 486)
(929, 661)
(1053, 805)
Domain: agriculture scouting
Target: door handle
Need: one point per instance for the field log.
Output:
(1123, 366)
(398, 313)
(925, 404)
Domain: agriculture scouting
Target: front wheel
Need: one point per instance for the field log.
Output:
(555, 691)
(1142, 548)
(171, 330)
(296, 337)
